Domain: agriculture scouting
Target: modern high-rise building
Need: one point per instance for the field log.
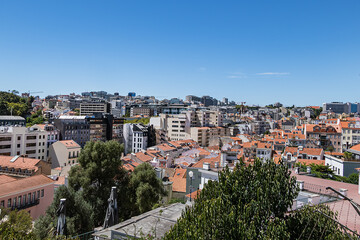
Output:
(92, 108)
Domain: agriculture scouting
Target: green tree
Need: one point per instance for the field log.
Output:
(17, 225)
(311, 223)
(10, 102)
(251, 203)
(147, 189)
(79, 217)
(348, 156)
(35, 118)
(243, 204)
(353, 178)
(99, 169)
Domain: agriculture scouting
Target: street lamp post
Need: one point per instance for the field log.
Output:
(191, 174)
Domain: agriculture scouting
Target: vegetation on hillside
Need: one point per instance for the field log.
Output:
(10, 103)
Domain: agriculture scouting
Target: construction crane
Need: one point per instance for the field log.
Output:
(29, 92)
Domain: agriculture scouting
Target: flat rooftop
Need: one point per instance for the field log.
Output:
(155, 222)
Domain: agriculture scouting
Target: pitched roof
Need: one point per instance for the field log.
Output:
(311, 161)
(5, 179)
(212, 161)
(194, 195)
(70, 143)
(19, 162)
(312, 151)
(179, 184)
(356, 147)
(24, 184)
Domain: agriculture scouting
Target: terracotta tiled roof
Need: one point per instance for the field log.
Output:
(143, 157)
(24, 184)
(5, 179)
(20, 162)
(311, 161)
(180, 173)
(194, 195)
(165, 147)
(70, 143)
(212, 161)
(356, 147)
(179, 184)
(312, 151)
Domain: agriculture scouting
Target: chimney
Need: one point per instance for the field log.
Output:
(206, 166)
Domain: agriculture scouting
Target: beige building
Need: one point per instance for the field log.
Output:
(62, 153)
(350, 134)
(202, 135)
(30, 142)
(177, 126)
(205, 118)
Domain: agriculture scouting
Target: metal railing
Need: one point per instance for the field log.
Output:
(319, 189)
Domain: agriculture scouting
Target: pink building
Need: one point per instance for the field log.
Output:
(33, 194)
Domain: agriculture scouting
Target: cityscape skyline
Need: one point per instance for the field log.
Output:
(293, 53)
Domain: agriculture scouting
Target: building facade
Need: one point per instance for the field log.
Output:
(30, 142)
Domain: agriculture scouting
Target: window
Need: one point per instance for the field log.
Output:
(29, 198)
(42, 192)
(14, 202)
(33, 196)
(9, 203)
(2, 139)
(5, 146)
(31, 152)
(38, 194)
(19, 138)
(30, 137)
(24, 199)
(2, 204)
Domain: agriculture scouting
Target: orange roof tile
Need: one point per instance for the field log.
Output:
(20, 162)
(356, 147)
(24, 184)
(70, 143)
(5, 179)
(179, 184)
(311, 161)
(212, 161)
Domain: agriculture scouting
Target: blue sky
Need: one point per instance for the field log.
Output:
(260, 52)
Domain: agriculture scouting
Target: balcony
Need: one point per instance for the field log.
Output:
(26, 205)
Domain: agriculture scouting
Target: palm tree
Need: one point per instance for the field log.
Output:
(348, 156)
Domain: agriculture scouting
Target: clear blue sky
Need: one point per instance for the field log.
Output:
(294, 52)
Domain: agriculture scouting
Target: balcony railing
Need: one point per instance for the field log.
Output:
(26, 205)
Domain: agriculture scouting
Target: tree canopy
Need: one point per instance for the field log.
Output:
(12, 103)
(147, 189)
(17, 225)
(90, 183)
(99, 169)
(79, 217)
(249, 203)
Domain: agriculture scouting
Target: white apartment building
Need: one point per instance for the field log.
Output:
(30, 142)
(135, 137)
